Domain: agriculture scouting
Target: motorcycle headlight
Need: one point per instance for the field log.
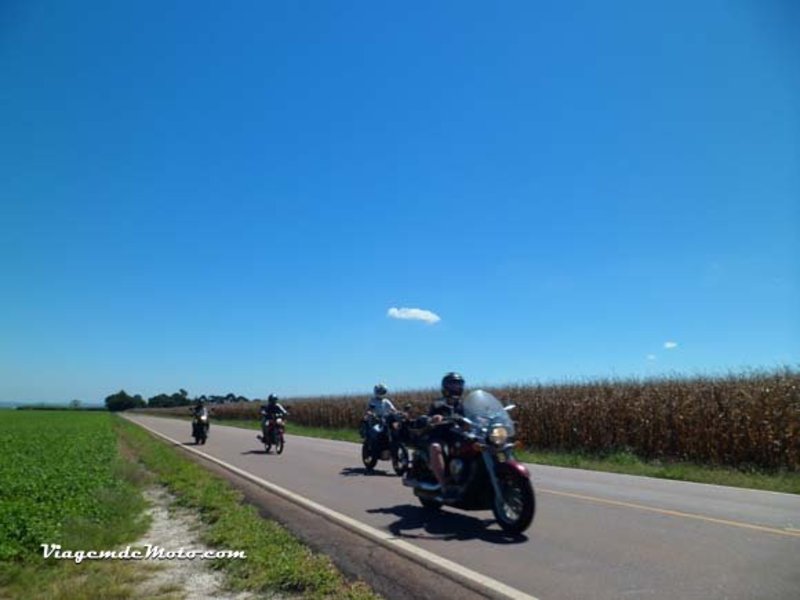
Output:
(498, 436)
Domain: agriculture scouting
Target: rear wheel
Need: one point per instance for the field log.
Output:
(514, 511)
(367, 458)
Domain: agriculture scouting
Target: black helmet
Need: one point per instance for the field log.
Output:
(380, 390)
(452, 385)
(272, 399)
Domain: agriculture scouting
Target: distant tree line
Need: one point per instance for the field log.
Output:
(124, 401)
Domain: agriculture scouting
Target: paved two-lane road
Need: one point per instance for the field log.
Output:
(595, 535)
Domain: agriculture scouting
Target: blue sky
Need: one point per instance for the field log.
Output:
(232, 198)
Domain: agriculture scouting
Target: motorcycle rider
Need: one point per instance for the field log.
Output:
(270, 410)
(447, 406)
(379, 406)
(198, 410)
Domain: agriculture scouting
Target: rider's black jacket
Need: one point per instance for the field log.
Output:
(269, 410)
(441, 407)
(444, 434)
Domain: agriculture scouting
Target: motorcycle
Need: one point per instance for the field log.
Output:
(383, 441)
(479, 463)
(200, 427)
(273, 430)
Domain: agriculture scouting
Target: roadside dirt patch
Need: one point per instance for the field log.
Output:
(173, 528)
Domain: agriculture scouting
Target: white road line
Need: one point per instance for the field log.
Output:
(479, 583)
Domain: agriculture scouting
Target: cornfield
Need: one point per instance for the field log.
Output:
(738, 420)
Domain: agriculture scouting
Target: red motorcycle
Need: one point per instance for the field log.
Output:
(273, 434)
(479, 463)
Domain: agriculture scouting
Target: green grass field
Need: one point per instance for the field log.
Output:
(63, 481)
(74, 478)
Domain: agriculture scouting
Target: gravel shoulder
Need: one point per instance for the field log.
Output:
(173, 528)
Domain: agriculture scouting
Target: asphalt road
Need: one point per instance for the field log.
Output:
(595, 535)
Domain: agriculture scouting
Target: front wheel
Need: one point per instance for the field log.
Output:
(514, 511)
(367, 458)
(400, 460)
(279, 444)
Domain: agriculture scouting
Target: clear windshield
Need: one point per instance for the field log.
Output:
(484, 409)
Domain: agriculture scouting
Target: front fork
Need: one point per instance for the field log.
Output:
(266, 434)
(488, 461)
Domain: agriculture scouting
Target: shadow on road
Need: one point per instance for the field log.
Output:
(254, 452)
(352, 471)
(445, 525)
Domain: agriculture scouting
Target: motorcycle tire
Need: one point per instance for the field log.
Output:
(400, 460)
(367, 458)
(525, 505)
(279, 445)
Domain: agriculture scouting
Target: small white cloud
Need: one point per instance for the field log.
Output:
(414, 314)
(651, 357)
(670, 345)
